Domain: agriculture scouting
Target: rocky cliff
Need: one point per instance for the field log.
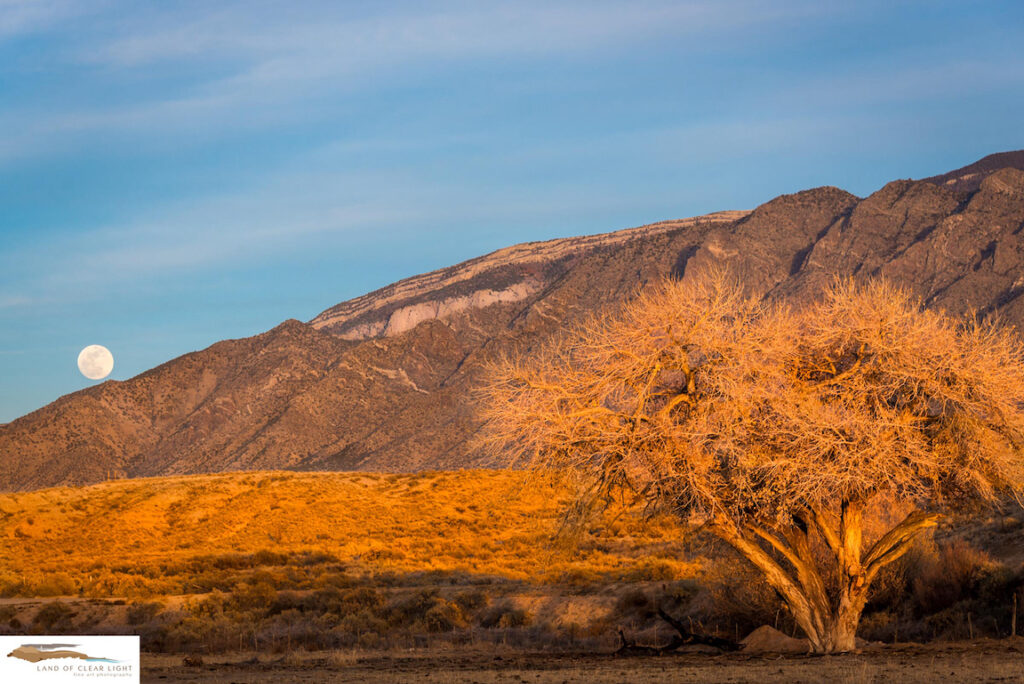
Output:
(385, 381)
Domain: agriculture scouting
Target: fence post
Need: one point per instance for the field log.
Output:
(1013, 620)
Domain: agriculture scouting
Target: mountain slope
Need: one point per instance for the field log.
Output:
(385, 381)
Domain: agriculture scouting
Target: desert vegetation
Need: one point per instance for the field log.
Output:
(170, 536)
(276, 563)
(280, 561)
(778, 429)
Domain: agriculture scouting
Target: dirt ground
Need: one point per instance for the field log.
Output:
(977, 661)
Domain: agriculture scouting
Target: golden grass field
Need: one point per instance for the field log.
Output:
(149, 536)
(454, 576)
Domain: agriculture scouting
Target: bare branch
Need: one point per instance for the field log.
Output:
(777, 544)
(774, 574)
(896, 541)
(826, 527)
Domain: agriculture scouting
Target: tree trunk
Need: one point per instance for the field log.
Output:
(844, 631)
(830, 628)
(841, 635)
(830, 625)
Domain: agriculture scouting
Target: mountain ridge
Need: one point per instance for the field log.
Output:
(384, 381)
(347, 319)
(968, 178)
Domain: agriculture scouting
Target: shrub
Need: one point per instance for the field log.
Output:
(651, 571)
(443, 616)
(257, 598)
(53, 617)
(141, 613)
(408, 608)
(55, 584)
(9, 622)
(734, 594)
(363, 598)
(330, 599)
(208, 634)
(11, 585)
(504, 615)
(471, 600)
(949, 577)
(362, 622)
(265, 557)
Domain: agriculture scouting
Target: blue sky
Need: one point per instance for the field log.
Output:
(176, 173)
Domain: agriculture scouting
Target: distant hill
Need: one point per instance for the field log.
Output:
(385, 381)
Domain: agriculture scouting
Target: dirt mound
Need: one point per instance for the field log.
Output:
(767, 639)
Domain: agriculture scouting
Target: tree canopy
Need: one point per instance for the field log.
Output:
(772, 423)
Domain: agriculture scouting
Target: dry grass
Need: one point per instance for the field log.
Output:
(282, 561)
(171, 535)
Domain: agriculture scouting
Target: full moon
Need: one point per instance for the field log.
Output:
(95, 362)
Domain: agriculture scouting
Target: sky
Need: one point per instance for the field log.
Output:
(177, 173)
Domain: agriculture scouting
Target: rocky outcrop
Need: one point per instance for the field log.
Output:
(408, 317)
(771, 244)
(386, 381)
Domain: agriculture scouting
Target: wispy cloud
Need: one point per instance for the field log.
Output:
(235, 229)
(334, 36)
(314, 205)
(927, 77)
(11, 301)
(259, 67)
(251, 66)
(26, 17)
(255, 65)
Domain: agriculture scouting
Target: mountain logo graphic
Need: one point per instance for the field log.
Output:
(34, 653)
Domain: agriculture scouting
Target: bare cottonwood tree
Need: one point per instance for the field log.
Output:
(777, 428)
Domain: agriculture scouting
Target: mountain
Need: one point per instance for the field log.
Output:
(968, 178)
(385, 381)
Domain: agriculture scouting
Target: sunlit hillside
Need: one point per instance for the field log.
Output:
(182, 535)
(277, 560)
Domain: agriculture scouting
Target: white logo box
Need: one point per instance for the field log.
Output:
(81, 659)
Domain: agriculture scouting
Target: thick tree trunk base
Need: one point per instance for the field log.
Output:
(840, 639)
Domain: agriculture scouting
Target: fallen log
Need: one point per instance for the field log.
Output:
(627, 647)
(688, 638)
(684, 638)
